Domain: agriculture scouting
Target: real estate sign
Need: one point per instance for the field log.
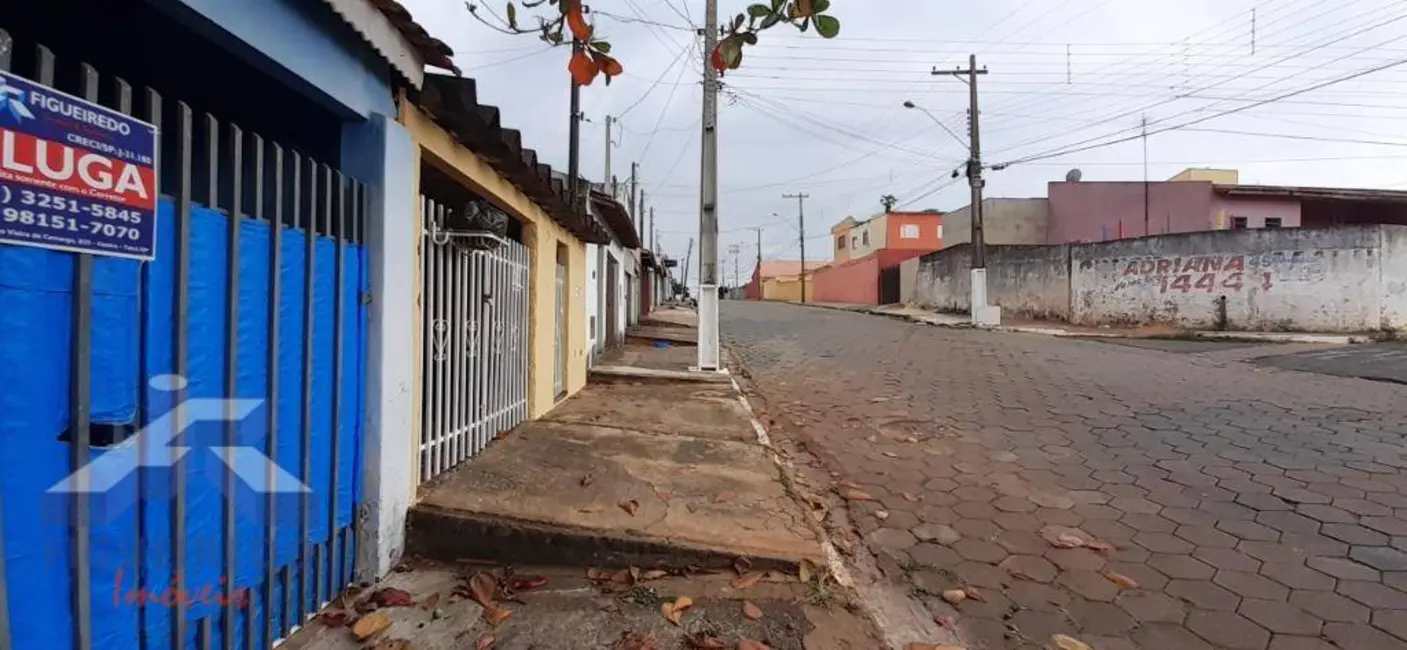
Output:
(74, 176)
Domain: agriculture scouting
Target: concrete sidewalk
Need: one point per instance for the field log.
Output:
(634, 493)
(1066, 330)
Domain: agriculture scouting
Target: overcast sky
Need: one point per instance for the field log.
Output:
(826, 117)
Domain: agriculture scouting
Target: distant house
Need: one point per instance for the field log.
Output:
(868, 254)
(781, 280)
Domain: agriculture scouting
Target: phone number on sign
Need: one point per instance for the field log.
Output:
(61, 222)
(58, 205)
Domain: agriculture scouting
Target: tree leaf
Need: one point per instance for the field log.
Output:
(576, 21)
(1062, 642)
(759, 11)
(746, 582)
(497, 615)
(485, 643)
(805, 570)
(751, 611)
(483, 587)
(603, 47)
(632, 506)
(1123, 581)
(512, 14)
(827, 26)
(820, 6)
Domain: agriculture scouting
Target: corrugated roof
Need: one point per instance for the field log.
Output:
(388, 28)
(1335, 193)
(453, 103)
(616, 218)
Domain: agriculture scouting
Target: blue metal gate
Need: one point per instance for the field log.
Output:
(255, 294)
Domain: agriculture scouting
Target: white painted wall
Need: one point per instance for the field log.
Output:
(1317, 280)
(388, 483)
(595, 320)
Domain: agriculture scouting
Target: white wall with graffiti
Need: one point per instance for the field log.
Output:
(1325, 280)
(1343, 279)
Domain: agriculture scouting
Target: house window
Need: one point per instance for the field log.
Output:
(940, 231)
(1239, 223)
(865, 238)
(854, 242)
(1273, 222)
(908, 231)
(840, 243)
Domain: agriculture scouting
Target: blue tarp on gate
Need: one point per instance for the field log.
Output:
(35, 323)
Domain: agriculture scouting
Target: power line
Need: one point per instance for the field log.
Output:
(655, 84)
(1209, 117)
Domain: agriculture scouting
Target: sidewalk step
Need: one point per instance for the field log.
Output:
(561, 493)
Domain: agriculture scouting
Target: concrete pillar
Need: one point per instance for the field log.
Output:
(382, 153)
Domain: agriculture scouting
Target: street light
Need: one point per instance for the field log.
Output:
(909, 104)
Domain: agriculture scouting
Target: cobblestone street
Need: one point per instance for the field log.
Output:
(1249, 507)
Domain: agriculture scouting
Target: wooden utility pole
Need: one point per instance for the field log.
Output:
(801, 228)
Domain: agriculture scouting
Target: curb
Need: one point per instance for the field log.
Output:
(1262, 337)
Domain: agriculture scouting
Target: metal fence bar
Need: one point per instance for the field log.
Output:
(442, 339)
(339, 275)
(271, 394)
(426, 344)
(7, 48)
(80, 413)
(305, 472)
(476, 360)
(144, 406)
(181, 364)
(231, 374)
(262, 212)
(294, 220)
(320, 549)
(458, 278)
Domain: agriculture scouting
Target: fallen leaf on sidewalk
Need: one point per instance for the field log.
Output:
(891, 454)
(749, 644)
(742, 566)
(654, 574)
(587, 480)
(1123, 581)
(369, 625)
(856, 495)
(746, 582)
(805, 570)
(1062, 642)
(751, 611)
(392, 597)
(881, 515)
(485, 643)
(910, 497)
(636, 641)
(496, 615)
(672, 612)
(974, 594)
(631, 506)
(954, 596)
(333, 618)
(705, 641)
(431, 603)
(483, 588)
(911, 439)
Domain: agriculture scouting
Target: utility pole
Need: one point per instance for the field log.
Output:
(634, 190)
(688, 258)
(708, 200)
(644, 228)
(759, 245)
(606, 177)
(982, 313)
(801, 232)
(737, 276)
(1146, 222)
(574, 148)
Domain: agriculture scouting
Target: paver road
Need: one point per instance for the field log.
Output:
(1249, 507)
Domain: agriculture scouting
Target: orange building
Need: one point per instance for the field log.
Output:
(868, 254)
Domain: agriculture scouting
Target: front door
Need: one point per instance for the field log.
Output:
(559, 342)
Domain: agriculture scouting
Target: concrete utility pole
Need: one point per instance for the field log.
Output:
(1146, 222)
(801, 233)
(644, 227)
(606, 177)
(688, 258)
(708, 200)
(759, 247)
(735, 250)
(982, 313)
(634, 190)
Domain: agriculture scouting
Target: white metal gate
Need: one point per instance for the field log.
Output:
(474, 313)
(559, 343)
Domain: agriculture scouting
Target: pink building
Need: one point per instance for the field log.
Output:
(1103, 211)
